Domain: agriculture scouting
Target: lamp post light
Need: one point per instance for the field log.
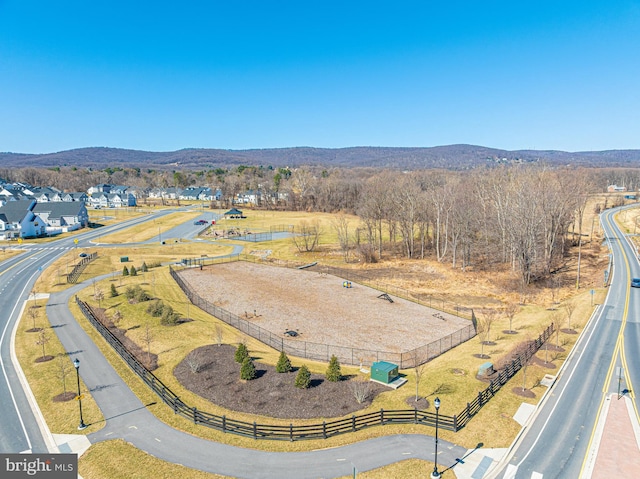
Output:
(435, 474)
(76, 364)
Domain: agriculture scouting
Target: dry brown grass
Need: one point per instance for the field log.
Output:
(117, 459)
(451, 376)
(442, 378)
(62, 417)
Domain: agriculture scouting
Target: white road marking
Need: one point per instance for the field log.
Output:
(510, 473)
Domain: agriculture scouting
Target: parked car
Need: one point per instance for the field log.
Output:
(83, 255)
(635, 283)
(200, 222)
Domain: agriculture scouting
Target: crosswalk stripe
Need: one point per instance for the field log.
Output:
(510, 473)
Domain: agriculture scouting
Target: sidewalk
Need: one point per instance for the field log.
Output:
(618, 451)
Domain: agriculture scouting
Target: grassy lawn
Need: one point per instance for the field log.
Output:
(46, 378)
(146, 231)
(8, 252)
(451, 377)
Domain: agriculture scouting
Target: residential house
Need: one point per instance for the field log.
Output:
(101, 188)
(249, 197)
(80, 196)
(63, 216)
(21, 221)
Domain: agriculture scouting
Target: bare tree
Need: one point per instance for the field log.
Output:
(510, 312)
(116, 317)
(340, 224)
(487, 319)
(306, 236)
(98, 295)
(43, 339)
(33, 314)
(361, 388)
(419, 369)
(482, 335)
(525, 365)
(63, 367)
(194, 361)
(569, 309)
(218, 334)
(148, 339)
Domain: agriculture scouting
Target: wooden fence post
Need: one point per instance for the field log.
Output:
(324, 429)
(381, 416)
(195, 415)
(291, 432)
(353, 422)
(255, 433)
(224, 424)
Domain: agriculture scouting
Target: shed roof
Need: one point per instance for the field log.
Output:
(384, 366)
(233, 211)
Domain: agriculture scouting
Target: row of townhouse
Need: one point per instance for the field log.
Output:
(117, 196)
(193, 193)
(30, 219)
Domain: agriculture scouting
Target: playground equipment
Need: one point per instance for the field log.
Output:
(346, 284)
(386, 296)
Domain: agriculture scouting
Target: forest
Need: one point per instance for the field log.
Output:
(521, 216)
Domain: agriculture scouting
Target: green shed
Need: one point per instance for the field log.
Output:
(384, 372)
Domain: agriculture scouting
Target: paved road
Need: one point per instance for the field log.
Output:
(19, 431)
(558, 442)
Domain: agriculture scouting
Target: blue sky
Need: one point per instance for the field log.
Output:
(163, 76)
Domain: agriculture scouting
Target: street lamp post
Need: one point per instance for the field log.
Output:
(435, 474)
(76, 363)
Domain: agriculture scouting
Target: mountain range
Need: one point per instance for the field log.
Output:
(454, 157)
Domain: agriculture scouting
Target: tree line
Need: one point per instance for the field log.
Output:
(521, 215)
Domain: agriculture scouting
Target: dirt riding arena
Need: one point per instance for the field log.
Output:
(319, 308)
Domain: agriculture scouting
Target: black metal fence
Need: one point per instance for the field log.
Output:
(79, 268)
(319, 351)
(325, 429)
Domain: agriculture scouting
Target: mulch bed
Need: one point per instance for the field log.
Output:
(44, 359)
(63, 397)
(270, 394)
(525, 393)
(150, 361)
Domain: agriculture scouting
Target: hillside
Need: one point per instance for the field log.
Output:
(457, 157)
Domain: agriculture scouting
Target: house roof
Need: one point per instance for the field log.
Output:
(15, 211)
(58, 209)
